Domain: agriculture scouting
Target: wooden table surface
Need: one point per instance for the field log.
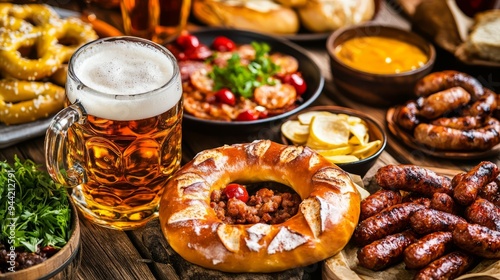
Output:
(144, 254)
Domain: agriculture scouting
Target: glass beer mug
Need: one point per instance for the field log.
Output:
(119, 139)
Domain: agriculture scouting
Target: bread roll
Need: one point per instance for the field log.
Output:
(329, 15)
(484, 39)
(262, 16)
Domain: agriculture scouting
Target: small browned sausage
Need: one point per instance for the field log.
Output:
(443, 202)
(407, 115)
(484, 106)
(456, 179)
(412, 178)
(476, 178)
(427, 249)
(418, 199)
(391, 220)
(378, 201)
(484, 213)
(439, 103)
(429, 220)
(386, 251)
(445, 138)
(447, 267)
(491, 192)
(438, 81)
(478, 240)
(461, 123)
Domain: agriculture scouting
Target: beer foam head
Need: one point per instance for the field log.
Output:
(124, 80)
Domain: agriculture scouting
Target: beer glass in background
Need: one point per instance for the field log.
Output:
(157, 20)
(119, 140)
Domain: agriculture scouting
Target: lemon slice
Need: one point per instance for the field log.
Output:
(295, 131)
(330, 131)
(364, 151)
(305, 118)
(342, 158)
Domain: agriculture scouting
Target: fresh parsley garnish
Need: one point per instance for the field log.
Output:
(243, 79)
(34, 210)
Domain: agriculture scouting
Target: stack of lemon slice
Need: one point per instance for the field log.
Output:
(338, 137)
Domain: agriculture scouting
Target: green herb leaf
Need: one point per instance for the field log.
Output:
(243, 79)
(35, 210)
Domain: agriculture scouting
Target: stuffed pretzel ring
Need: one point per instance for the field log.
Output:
(24, 101)
(52, 39)
(323, 225)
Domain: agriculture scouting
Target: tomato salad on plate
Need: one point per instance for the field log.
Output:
(225, 81)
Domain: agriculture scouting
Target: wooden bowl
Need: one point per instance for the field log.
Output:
(63, 265)
(377, 89)
(375, 131)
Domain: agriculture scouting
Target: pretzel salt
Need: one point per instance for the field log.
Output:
(327, 215)
(25, 101)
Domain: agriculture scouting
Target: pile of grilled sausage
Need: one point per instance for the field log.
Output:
(439, 227)
(453, 111)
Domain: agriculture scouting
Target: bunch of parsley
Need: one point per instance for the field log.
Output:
(39, 212)
(243, 79)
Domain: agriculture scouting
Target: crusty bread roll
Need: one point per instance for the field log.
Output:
(329, 15)
(484, 39)
(262, 16)
(327, 216)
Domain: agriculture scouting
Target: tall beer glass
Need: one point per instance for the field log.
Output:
(119, 139)
(157, 20)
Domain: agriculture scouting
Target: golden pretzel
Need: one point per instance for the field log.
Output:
(24, 101)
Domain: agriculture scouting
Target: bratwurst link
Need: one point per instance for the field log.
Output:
(468, 187)
(438, 81)
(448, 267)
(439, 103)
(378, 201)
(427, 249)
(478, 240)
(412, 178)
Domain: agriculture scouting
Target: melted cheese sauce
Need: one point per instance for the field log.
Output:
(380, 55)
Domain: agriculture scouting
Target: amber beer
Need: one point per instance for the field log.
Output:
(125, 141)
(158, 20)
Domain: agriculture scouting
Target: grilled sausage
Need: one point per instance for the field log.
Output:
(447, 267)
(386, 251)
(412, 178)
(484, 106)
(429, 220)
(461, 123)
(445, 138)
(491, 192)
(443, 202)
(418, 199)
(438, 81)
(391, 220)
(427, 249)
(378, 201)
(407, 115)
(484, 213)
(442, 102)
(478, 240)
(476, 178)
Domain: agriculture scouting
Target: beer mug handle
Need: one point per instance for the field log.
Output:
(55, 147)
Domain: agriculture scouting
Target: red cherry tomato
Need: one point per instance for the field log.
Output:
(237, 191)
(226, 96)
(201, 52)
(296, 81)
(248, 115)
(223, 44)
(188, 41)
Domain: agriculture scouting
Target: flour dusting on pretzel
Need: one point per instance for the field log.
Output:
(327, 214)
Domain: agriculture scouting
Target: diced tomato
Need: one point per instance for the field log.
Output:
(226, 96)
(248, 115)
(187, 41)
(201, 52)
(223, 44)
(296, 81)
(236, 191)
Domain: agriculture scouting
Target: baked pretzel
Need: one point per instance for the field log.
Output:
(53, 38)
(24, 101)
(327, 215)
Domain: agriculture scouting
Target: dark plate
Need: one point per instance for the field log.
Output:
(409, 140)
(310, 71)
